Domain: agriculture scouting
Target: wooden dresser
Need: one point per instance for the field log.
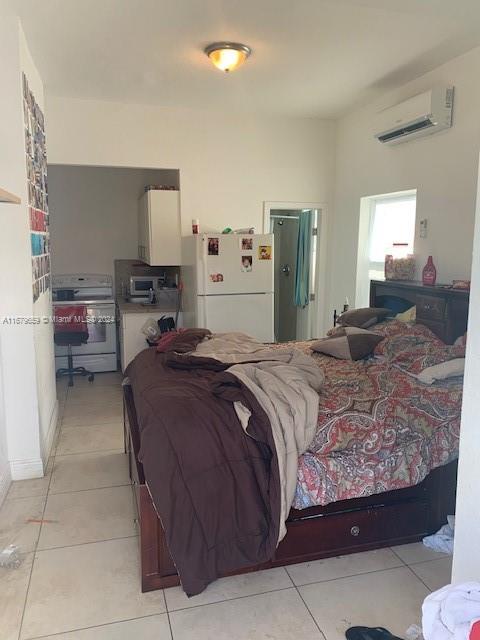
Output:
(443, 309)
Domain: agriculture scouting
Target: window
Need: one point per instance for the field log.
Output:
(385, 220)
(392, 222)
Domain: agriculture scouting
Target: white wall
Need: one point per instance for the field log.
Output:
(229, 163)
(43, 332)
(10, 180)
(5, 475)
(466, 557)
(22, 349)
(17, 341)
(94, 214)
(442, 167)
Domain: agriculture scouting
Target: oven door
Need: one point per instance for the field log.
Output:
(101, 332)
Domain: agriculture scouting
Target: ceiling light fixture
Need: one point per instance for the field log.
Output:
(227, 56)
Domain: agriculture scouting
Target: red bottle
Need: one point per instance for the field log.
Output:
(475, 632)
(429, 273)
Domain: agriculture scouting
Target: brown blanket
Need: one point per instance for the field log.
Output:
(215, 487)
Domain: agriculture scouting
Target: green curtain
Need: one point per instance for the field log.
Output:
(302, 271)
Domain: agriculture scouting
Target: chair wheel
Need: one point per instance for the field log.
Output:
(91, 377)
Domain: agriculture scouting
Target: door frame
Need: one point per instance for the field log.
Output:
(317, 320)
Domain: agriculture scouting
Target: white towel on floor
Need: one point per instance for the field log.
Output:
(449, 613)
(442, 540)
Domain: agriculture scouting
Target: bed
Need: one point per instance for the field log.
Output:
(381, 470)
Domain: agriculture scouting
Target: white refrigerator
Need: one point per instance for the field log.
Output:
(228, 283)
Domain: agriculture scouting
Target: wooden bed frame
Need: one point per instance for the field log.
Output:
(348, 526)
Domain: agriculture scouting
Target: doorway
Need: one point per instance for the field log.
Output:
(296, 230)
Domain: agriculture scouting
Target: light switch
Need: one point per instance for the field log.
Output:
(423, 228)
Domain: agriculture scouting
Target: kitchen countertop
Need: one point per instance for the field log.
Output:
(138, 307)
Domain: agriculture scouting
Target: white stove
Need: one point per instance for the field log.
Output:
(95, 292)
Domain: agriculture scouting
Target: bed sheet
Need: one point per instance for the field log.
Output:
(379, 428)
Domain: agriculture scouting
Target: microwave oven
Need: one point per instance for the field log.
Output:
(141, 285)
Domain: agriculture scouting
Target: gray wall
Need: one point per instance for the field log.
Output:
(93, 214)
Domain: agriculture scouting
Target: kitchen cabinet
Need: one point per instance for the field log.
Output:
(131, 338)
(159, 234)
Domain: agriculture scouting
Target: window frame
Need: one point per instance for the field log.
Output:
(407, 196)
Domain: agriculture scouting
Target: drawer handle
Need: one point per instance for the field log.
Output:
(355, 530)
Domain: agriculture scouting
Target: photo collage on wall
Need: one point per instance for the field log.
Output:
(36, 160)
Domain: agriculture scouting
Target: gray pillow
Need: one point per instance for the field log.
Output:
(348, 343)
(363, 318)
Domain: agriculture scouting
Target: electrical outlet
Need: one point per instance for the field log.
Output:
(423, 228)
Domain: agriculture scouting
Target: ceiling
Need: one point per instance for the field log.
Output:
(310, 57)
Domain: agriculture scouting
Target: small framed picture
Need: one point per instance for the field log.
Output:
(213, 246)
(265, 252)
(246, 264)
(247, 244)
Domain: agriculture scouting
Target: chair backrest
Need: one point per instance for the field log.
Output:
(71, 326)
(71, 319)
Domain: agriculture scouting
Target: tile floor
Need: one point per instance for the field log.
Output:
(79, 579)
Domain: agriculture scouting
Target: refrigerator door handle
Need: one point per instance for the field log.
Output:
(257, 293)
(203, 259)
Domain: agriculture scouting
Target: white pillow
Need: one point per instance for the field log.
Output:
(442, 371)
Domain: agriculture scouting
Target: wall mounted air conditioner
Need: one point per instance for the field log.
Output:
(421, 115)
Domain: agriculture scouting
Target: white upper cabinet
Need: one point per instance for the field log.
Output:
(159, 236)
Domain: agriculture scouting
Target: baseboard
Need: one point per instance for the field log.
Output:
(26, 469)
(5, 481)
(52, 428)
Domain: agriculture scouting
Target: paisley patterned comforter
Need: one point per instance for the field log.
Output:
(380, 429)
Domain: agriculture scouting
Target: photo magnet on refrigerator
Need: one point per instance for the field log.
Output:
(246, 264)
(213, 246)
(265, 252)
